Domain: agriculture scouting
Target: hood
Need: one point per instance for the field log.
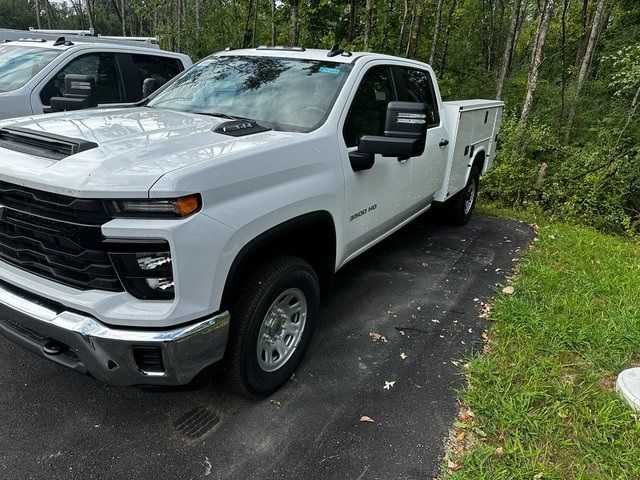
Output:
(135, 147)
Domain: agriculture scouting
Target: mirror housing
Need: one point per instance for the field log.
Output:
(80, 93)
(149, 86)
(404, 137)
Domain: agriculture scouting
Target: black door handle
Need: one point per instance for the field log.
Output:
(443, 143)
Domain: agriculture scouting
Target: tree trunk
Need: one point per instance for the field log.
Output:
(91, 13)
(368, 21)
(402, 24)
(124, 20)
(38, 21)
(295, 24)
(198, 15)
(353, 15)
(273, 22)
(436, 32)
(447, 36)
(508, 48)
(536, 60)
(413, 22)
(585, 64)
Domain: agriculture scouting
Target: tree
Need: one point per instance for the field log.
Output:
(537, 54)
(508, 48)
(585, 64)
(436, 32)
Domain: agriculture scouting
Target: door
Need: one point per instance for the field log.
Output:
(428, 170)
(375, 199)
(103, 66)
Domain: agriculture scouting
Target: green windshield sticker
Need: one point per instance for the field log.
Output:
(333, 71)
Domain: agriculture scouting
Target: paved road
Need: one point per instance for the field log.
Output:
(419, 289)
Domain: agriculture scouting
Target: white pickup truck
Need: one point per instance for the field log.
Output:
(142, 245)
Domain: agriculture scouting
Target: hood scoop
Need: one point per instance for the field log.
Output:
(42, 144)
(240, 128)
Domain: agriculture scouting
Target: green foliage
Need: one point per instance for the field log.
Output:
(543, 394)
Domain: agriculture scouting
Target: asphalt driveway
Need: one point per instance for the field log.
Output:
(421, 290)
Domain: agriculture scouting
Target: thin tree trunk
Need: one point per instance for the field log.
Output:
(353, 15)
(585, 64)
(198, 15)
(508, 48)
(447, 36)
(124, 20)
(368, 21)
(536, 60)
(413, 22)
(402, 24)
(295, 24)
(91, 13)
(563, 87)
(38, 21)
(273, 22)
(436, 32)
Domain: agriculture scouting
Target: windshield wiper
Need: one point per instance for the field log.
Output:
(225, 115)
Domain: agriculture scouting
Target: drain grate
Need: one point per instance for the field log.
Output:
(196, 423)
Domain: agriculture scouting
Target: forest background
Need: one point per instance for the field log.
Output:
(568, 70)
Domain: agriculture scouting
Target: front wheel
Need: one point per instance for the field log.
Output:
(272, 322)
(460, 208)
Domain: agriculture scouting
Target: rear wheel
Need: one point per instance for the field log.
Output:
(272, 322)
(460, 208)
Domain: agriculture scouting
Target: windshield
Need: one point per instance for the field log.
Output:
(19, 64)
(280, 93)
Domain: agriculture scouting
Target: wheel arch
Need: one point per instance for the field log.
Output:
(311, 236)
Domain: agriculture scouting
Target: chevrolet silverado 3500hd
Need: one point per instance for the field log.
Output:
(142, 245)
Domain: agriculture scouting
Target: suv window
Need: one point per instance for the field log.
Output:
(162, 69)
(368, 109)
(418, 87)
(102, 66)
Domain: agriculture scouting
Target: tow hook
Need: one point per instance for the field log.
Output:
(53, 347)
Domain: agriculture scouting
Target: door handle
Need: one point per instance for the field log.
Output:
(443, 143)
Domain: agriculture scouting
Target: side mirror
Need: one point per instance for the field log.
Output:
(149, 86)
(80, 93)
(404, 137)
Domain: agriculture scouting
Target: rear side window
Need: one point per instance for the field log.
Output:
(162, 69)
(368, 109)
(418, 87)
(102, 66)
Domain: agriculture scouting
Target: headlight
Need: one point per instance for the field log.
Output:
(162, 208)
(146, 275)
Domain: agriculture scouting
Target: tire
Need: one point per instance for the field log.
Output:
(460, 208)
(264, 346)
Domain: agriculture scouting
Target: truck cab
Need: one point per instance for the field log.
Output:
(143, 245)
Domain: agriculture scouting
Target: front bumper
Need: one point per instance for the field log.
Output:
(107, 353)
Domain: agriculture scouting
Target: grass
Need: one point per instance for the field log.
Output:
(542, 397)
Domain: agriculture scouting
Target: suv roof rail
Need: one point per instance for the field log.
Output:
(281, 48)
(80, 33)
(131, 39)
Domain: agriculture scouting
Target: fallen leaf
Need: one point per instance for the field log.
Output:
(538, 475)
(403, 355)
(388, 385)
(460, 436)
(453, 466)
(508, 290)
(376, 337)
(499, 451)
(485, 336)
(467, 415)
(277, 403)
(366, 419)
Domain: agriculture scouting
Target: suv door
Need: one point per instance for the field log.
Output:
(101, 65)
(428, 170)
(375, 199)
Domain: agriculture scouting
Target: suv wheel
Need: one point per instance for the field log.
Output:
(272, 322)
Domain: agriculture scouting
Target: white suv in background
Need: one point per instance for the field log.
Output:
(32, 70)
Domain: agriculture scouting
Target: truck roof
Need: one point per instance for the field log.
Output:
(46, 38)
(312, 54)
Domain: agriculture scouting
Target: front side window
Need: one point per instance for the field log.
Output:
(161, 69)
(368, 110)
(419, 88)
(280, 93)
(102, 66)
(19, 64)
